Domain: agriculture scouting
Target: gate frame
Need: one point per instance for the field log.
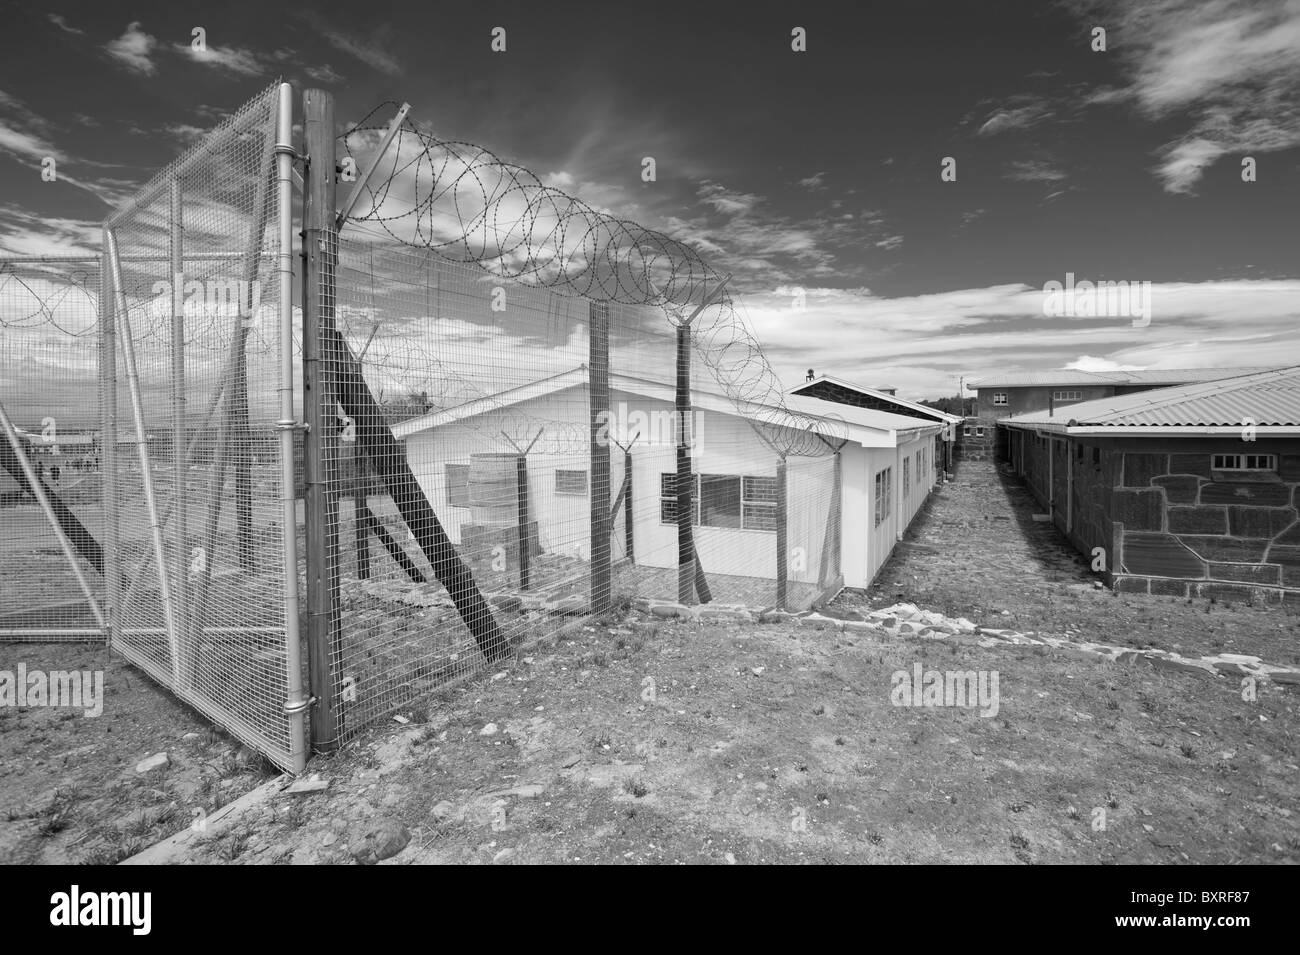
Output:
(113, 308)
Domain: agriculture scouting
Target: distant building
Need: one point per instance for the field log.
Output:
(837, 391)
(1005, 396)
(1191, 490)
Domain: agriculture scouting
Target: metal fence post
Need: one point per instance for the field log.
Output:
(180, 545)
(296, 704)
(782, 528)
(108, 449)
(321, 444)
(598, 407)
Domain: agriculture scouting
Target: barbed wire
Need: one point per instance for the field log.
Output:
(71, 292)
(468, 205)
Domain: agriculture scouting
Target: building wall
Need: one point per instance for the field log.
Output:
(1165, 522)
(725, 444)
(1025, 400)
(977, 440)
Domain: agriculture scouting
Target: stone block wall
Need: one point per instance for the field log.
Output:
(1189, 530)
(972, 445)
(1170, 524)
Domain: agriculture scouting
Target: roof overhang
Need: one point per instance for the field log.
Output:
(1163, 431)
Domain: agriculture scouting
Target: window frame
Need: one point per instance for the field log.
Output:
(586, 484)
(750, 504)
(1264, 463)
(883, 494)
(453, 484)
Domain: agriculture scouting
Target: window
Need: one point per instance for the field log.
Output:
(668, 499)
(907, 474)
(884, 494)
(458, 485)
(1067, 395)
(979, 432)
(999, 397)
(920, 464)
(570, 482)
(723, 500)
(719, 500)
(1096, 456)
(1244, 462)
(758, 511)
(966, 431)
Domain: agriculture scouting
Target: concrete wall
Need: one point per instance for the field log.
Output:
(1025, 400)
(1166, 523)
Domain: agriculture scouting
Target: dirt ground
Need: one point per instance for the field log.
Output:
(70, 791)
(647, 740)
(773, 743)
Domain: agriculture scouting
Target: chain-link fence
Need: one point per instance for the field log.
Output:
(195, 487)
(503, 460)
(505, 437)
(51, 453)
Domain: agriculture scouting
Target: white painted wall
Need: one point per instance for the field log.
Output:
(725, 444)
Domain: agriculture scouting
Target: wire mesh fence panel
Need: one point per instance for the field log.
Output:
(195, 485)
(531, 414)
(51, 518)
(490, 435)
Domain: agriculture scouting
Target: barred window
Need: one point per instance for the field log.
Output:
(758, 507)
(884, 496)
(457, 485)
(747, 502)
(570, 482)
(1244, 462)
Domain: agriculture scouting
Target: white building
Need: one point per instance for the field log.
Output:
(466, 459)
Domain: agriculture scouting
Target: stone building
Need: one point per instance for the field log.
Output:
(1017, 393)
(1190, 491)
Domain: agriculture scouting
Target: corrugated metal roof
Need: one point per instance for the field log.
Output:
(865, 417)
(1264, 399)
(1154, 376)
(864, 425)
(902, 403)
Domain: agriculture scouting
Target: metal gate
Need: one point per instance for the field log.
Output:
(51, 518)
(200, 516)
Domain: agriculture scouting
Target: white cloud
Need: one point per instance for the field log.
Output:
(324, 74)
(1034, 170)
(1010, 118)
(24, 145)
(237, 60)
(368, 52)
(62, 24)
(134, 50)
(1093, 363)
(920, 342)
(1232, 68)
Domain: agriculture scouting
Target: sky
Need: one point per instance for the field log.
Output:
(813, 177)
